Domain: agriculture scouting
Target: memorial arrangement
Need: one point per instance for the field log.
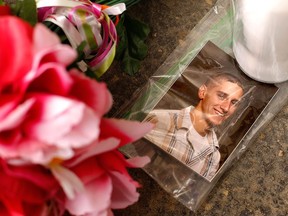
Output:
(59, 152)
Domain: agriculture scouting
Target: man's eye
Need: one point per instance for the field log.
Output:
(221, 96)
(234, 102)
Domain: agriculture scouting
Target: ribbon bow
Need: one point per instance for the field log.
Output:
(81, 21)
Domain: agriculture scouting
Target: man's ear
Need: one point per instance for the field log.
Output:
(202, 91)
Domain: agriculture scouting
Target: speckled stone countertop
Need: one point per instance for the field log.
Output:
(257, 183)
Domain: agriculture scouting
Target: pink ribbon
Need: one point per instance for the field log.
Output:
(78, 22)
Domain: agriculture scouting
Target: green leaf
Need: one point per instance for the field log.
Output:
(130, 64)
(26, 10)
(137, 33)
(137, 47)
(137, 28)
(122, 39)
(131, 46)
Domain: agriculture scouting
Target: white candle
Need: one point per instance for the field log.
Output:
(260, 41)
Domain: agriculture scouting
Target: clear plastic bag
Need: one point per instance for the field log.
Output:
(206, 53)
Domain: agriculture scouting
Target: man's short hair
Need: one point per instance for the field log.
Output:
(212, 79)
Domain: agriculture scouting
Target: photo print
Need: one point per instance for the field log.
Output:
(207, 111)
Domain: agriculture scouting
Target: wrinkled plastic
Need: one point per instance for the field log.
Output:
(260, 38)
(206, 50)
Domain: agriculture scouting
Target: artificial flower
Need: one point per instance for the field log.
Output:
(25, 189)
(52, 122)
(108, 168)
(45, 120)
(4, 10)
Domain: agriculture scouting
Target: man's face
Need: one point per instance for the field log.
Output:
(219, 101)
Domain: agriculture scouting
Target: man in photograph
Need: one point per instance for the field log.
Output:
(188, 134)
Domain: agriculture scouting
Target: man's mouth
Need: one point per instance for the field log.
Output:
(220, 113)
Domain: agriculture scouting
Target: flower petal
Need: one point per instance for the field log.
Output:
(37, 175)
(52, 117)
(94, 149)
(114, 160)
(61, 54)
(96, 94)
(7, 104)
(138, 161)
(83, 133)
(124, 193)
(126, 131)
(94, 199)
(70, 183)
(47, 43)
(62, 121)
(15, 35)
(44, 38)
(53, 78)
(37, 152)
(20, 190)
(15, 117)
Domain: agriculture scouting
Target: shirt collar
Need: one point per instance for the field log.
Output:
(186, 123)
(185, 117)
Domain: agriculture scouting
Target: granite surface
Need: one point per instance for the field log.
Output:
(257, 183)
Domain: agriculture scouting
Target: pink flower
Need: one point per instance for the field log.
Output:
(4, 10)
(52, 129)
(105, 176)
(14, 64)
(25, 189)
(45, 111)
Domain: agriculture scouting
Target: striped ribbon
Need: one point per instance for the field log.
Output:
(81, 21)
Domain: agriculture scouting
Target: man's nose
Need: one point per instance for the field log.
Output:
(225, 105)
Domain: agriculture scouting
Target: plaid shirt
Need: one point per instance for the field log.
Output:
(174, 133)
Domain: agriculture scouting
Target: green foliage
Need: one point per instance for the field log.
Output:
(26, 10)
(131, 47)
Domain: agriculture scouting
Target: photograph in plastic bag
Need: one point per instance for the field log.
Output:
(207, 111)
